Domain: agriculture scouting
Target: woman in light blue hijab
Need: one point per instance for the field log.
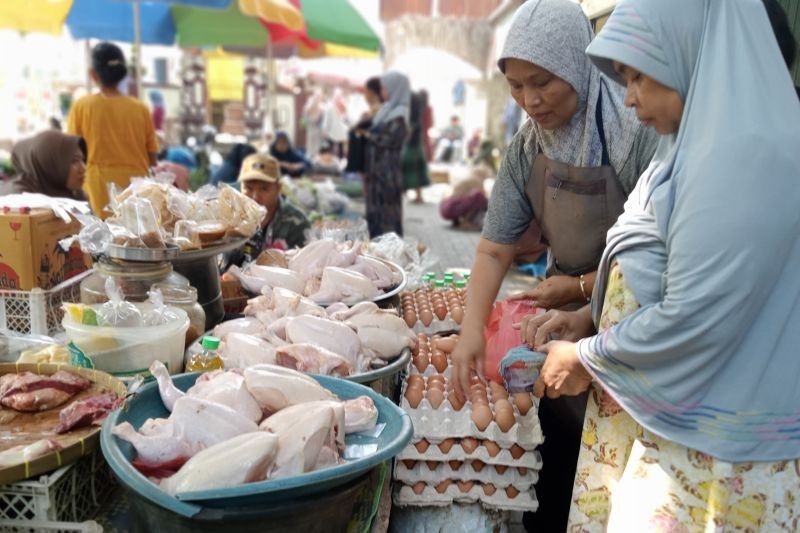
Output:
(694, 422)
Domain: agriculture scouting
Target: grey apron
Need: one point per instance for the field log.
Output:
(574, 207)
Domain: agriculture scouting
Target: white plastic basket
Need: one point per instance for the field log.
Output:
(61, 500)
(38, 312)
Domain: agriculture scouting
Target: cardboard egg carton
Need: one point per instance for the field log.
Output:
(521, 478)
(430, 496)
(446, 323)
(445, 422)
(529, 459)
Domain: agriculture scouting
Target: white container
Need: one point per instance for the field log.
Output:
(128, 352)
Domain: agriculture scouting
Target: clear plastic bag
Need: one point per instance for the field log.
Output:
(94, 236)
(405, 252)
(186, 235)
(139, 217)
(160, 314)
(116, 312)
(242, 215)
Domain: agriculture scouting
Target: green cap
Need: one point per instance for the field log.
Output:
(461, 284)
(448, 277)
(439, 283)
(431, 274)
(466, 277)
(210, 343)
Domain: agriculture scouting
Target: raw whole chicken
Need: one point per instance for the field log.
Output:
(339, 284)
(287, 303)
(379, 272)
(194, 424)
(344, 314)
(385, 334)
(254, 278)
(29, 392)
(275, 387)
(226, 388)
(312, 258)
(241, 350)
(360, 414)
(242, 459)
(328, 334)
(336, 308)
(307, 438)
(250, 326)
(314, 359)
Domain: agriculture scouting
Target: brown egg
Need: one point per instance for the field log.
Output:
(421, 362)
(481, 416)
(436, 397)
(414, 379)
(479, 399)
(491, 447)
(410, 316)
(446, 444)
(432, 464)
(418, 487)
(464, 486)
(477, 387)
(477, 465)
(439, 361)
(442, 486)
(501, 469)
(422, 445)
(511, 492)
(446, 344)
(423, 337)
(437, 377)
(414, 395)
(505, 420)
(468, 444)
(517, 451)
(455, 465)
(522, 471)
(409, 463)
(502, 404)
(440, 311)
(523, 402)
(497, 389)
(456, 402)
(457, 312)
(489, 489)
(426, 317)
(475, 379)
(435, 385)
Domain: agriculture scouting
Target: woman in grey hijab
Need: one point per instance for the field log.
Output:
(383, 174)
(566, 176)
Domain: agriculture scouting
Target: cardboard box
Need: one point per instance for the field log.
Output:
(29, 252)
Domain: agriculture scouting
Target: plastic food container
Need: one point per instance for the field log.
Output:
(134, 279)
(185, 297)
(128, 352)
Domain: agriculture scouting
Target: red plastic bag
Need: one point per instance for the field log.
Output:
(500, 334)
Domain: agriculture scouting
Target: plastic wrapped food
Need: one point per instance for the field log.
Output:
(95, 235)
(520, 368)
(116, 312)
(242, 215)
(160, 313)
(186, 235)
(139, 217)
(156, 193)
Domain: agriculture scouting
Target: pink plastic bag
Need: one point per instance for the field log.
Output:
(501, 335)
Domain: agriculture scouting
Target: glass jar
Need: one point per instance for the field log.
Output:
(185, 297)
(135, 279)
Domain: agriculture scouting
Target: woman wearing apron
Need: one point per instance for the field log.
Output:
(568, 172)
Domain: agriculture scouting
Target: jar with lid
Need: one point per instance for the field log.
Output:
(133, 278)
(185, 297)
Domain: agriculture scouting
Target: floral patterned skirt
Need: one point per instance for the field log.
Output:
(629, 479)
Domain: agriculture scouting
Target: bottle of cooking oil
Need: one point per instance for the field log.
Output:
(208, 359)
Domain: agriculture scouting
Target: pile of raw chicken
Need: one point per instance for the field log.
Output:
(323, 271)
(242, 426)
(284, 328)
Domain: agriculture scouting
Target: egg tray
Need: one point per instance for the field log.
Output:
(529, 459)
(446, 323)
(524, 501)
(445, 422)
(466, 472)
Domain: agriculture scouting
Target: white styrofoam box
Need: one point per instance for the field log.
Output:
(487, 474)
(529, 459)
(524, 501)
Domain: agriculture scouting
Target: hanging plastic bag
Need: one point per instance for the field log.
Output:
(160, 313)
(501, 335)
(116, 312)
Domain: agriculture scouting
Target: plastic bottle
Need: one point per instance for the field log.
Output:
(439, 283)
(208, 359)
(448, 278)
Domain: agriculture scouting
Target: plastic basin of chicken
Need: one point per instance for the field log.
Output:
(395, 436)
